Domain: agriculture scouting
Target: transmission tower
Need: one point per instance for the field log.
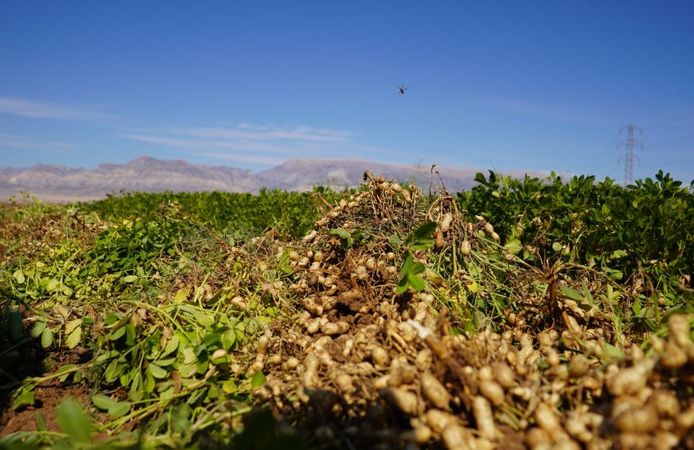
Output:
(629, 144)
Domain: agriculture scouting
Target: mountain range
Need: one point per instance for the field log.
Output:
(53, 183)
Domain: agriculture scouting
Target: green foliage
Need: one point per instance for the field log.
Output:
(102, 288)
(291, 214)
(410, 276)
(137, 242)
(625, 229)
(345, 236)
(422, 238)
(258, 380)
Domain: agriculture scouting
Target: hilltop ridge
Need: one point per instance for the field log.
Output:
(56, 183)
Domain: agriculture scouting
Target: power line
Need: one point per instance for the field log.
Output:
(629, 144)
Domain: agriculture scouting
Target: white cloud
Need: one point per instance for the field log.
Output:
(255, 144)
(171, 142)
(17, 142)
(243, 145)
(261, 160)
(269, 133)
(44, 110)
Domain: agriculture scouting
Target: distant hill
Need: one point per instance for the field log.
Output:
(303, 174)
(146, 174)
(62, 184)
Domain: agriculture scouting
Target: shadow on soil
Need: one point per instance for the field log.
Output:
(20, 357)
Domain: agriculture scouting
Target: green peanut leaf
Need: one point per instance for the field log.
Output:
(74, 338)
(157, 372)
(46, 338)
(258, 380)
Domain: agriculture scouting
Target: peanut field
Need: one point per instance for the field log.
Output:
(523, 313)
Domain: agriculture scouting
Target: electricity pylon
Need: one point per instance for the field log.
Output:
(629, 145)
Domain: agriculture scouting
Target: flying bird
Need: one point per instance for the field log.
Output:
(402, 88)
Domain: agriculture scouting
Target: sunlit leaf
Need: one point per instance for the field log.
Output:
(203, 319)
(167, 394)
(130, 332)
(72, 325)
(117, 334)
(74, 338)
(181, 295)
(228, 338)
(187, 370)
(417, 283)
(257, 380)
(189, 356)
(172, 345)
(18, 276)
(229, 387)
(37, 329)
(24, 398)
(416, 268)
(165, 362)
(156, 371)
(406, 265)
(572, 294)
(344, 235)
(513, 246)
(617, 254)
(64, 372)
(149, 382)
(119, 409)
(52, 285)
(46, 338)
(112, 372)
(103, 402)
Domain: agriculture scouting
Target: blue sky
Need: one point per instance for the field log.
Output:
(535, 85)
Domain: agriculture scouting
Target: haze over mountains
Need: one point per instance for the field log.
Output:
(63, 184)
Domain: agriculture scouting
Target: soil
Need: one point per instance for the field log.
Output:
(34, 362)
(48, 397)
